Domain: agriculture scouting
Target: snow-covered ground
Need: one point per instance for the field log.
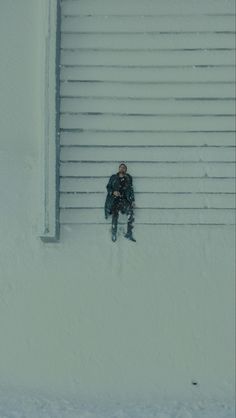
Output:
(19, 404)
(154, 314)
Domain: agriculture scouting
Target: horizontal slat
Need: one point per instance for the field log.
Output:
(152, 185)
(147, 58)
(152, 200)
(146, 7)
(147, 170)
(136, 90)
(147, 123)
(149, 23)
(150, 138)
(125, 106)
(147, 154)
(184, 75)
(153, 216)
(148, 41)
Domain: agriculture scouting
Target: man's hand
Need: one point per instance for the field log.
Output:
(133, 204)
(116, 193)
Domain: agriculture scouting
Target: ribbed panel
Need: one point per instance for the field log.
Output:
(152, 84)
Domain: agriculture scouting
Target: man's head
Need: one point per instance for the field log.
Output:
(122, 168)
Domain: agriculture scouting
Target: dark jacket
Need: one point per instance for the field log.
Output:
(113, 185)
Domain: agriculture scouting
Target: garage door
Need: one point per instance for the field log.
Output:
(149, 83)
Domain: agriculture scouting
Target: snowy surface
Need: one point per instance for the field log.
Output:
(148, 316)
(17, 404)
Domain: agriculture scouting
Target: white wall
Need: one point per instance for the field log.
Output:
(85, 315)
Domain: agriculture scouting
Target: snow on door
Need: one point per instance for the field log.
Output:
(150, 83)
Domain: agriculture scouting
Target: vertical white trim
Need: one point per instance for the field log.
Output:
(50, 142)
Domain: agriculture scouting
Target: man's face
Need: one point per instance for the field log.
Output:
(122, 169)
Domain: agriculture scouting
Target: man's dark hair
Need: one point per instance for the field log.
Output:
(124, 165)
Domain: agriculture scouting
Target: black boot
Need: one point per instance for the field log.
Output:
(129, 234)
(130, 237)
(114, 232)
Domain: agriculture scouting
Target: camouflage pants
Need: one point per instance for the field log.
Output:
(124, 207)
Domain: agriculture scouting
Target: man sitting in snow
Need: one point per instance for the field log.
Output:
(120, 197)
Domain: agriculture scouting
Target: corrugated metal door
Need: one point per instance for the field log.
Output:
(150, 83)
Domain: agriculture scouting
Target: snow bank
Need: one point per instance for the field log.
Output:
(17, 404)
